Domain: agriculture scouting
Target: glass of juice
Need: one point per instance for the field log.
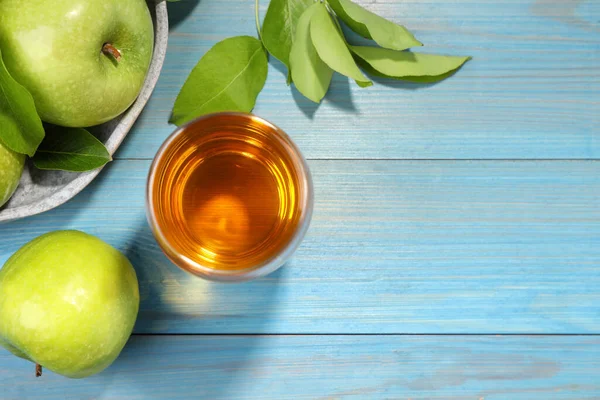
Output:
(229, 197)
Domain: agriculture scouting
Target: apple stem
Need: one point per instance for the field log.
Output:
(38, 370)
(111, 50)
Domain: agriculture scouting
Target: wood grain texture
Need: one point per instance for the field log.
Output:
(329, 367)
(531, 91)
(394, 247)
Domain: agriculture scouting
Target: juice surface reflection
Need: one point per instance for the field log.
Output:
(228, 198)
(231, 204)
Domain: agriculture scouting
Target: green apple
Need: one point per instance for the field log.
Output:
(83, 61)
(68, 302)
(11, 168)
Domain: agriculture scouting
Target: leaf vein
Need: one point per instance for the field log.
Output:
(235, 78)
(72, 154)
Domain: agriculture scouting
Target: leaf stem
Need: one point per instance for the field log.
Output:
(334, 17)
(257, 19)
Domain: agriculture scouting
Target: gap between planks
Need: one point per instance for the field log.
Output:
(371, 334)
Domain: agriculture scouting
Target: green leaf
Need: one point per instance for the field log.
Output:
(310, 74)
(70, 149)
(371, 26)
(228, 78)
(406, 65)
(279, 27)
(21, 129)
(331, 46)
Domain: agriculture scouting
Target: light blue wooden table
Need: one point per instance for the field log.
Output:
(455, 247)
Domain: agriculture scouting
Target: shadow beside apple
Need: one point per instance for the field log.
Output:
(176, 302)
(179, 11)
(182, 320)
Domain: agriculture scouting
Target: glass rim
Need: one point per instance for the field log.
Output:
(253, 272)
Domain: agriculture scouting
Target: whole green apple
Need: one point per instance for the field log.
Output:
(83, 61)
(68, 302)
(11, 168)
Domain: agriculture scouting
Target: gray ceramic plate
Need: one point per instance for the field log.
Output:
(40, 191)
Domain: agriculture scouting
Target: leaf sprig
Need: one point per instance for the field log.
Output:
(306, 36)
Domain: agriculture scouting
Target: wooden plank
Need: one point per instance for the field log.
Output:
(532, 89)
(394, 247)
(329, 367)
